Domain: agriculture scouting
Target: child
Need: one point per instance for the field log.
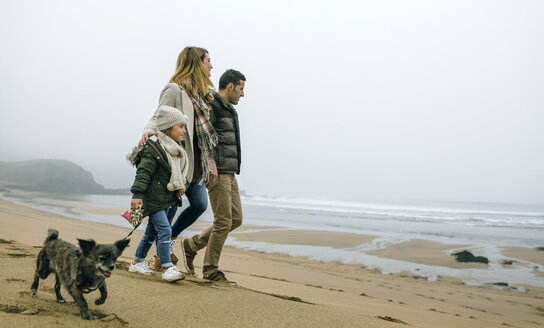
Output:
(161, 179)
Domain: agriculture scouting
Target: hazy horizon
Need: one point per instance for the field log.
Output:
(345, 100)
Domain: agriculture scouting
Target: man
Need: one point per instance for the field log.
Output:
(223, 193)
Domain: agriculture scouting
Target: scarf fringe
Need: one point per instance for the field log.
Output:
(207, 137)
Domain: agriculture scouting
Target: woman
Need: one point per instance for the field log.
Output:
(189, 91)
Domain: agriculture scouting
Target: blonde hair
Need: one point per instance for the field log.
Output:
(190, 73)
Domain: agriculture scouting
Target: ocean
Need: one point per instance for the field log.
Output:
(485, 227)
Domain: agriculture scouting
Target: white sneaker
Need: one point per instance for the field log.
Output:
(172, 274)
(172, 243)
(140, 267)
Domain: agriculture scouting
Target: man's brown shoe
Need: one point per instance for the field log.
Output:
(157, 262)
(173, 256)
(188, 256)
(219, 276)
(174, 259)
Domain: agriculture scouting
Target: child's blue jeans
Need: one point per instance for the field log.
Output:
(158, 228)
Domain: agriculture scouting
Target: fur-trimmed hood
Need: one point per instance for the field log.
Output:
(136, 155)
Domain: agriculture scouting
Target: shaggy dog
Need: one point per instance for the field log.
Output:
(80, 270)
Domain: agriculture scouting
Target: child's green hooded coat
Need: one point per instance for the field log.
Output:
(152, 175)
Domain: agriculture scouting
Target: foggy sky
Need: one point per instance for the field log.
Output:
(345, 100)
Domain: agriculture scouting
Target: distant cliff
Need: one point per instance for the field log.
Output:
(52, 176)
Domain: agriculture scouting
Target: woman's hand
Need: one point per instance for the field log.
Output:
(213, 171)
(146, 136)
(135, 203)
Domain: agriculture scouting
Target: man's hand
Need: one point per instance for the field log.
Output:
(146, 136)
(135, 203)
(213, 171)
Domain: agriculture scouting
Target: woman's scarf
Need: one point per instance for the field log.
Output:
(206, 135)
(178, 161)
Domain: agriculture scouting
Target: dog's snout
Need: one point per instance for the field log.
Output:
(111, 267)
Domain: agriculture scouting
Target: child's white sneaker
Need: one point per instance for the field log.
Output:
(172, 274)
(141, 268)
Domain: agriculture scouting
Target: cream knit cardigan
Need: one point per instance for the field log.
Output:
(173, 95)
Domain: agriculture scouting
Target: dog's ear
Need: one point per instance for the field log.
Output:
(121, 245)
(86, 246)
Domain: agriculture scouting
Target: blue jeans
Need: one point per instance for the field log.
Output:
(158, 228)
(198, 202)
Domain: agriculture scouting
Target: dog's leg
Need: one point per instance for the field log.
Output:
(60, 299)
(35, 283)
(103, 294)
(42, 270)
(80, 300)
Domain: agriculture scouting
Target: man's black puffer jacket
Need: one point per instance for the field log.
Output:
(227, 154)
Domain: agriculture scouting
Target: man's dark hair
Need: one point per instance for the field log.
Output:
(230, 76)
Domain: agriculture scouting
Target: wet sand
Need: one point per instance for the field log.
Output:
(425, 252)
(305, 237)
(273, 290)
(524, 253)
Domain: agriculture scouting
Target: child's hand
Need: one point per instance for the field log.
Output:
(135, 203)
(146, 136)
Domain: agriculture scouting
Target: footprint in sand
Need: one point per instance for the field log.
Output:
(15, 280)
(388, 318)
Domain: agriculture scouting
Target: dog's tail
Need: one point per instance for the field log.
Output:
(52, 234)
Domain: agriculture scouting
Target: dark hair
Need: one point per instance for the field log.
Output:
(230, 76)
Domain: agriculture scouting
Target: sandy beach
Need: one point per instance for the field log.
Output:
(273, 290)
